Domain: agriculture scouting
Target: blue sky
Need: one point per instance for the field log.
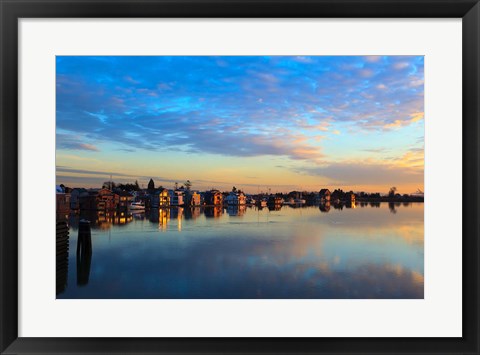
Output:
(354, 122)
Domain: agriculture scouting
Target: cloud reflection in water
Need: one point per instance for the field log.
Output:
(292, 253)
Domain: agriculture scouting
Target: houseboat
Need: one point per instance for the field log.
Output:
(137, 206)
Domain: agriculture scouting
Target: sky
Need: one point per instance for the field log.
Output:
(259, 123)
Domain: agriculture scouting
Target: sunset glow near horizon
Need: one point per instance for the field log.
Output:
(277, 123)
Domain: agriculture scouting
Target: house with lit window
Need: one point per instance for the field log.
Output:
(213, 198)
(159, 198)
(124, 199)
(163, 198)
(324, 195)
(106, 200)
(192, 198)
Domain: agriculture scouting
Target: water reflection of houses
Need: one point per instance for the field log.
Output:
(274, 207)
(139, 215)
(274, 200)
(163, 217)
(213, 212)
(236, 210)
(100, 219)
(192, 212)
(338, 205)
(122, 218)
(325, 207)
(350, 203)
(176, 213)
(160, 216)
(154, 215)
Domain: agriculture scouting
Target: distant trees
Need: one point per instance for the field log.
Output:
(109, 185)
(364, 194)
(188, 185)
(128, 187)
(338, 194)
(151, 185)
(125, 187)
(392, 191)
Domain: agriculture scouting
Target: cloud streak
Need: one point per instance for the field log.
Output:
(73, 142)
(366, 174)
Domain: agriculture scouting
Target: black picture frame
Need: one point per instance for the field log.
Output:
(11, 11)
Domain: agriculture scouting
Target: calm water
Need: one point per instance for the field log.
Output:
(372, 251)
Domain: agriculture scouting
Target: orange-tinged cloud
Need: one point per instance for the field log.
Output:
(414, 159)
(414, 117)
(417, 116)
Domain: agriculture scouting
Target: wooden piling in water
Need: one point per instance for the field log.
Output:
(84, 252)
(62, 242)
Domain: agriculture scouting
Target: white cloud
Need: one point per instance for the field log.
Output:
(400, 65)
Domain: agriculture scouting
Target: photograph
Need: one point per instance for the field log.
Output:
(239, 177)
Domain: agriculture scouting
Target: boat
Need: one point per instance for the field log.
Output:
(137, 206)
(289, 201)
(299, 200)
